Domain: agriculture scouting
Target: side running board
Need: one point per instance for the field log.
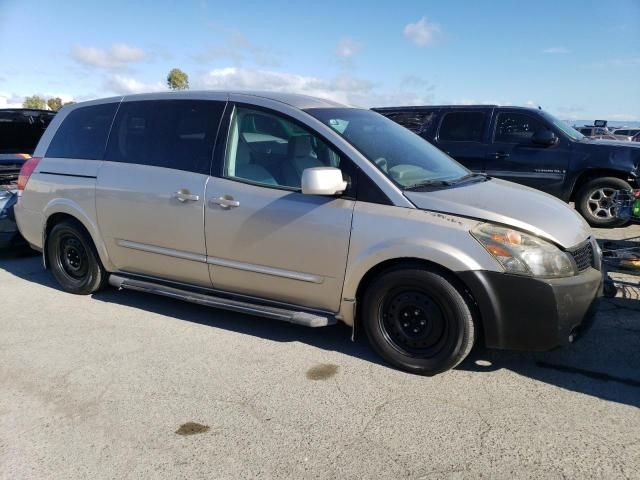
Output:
(306, 319)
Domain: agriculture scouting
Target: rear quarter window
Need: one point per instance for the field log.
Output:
(83, 133)
(462, 127)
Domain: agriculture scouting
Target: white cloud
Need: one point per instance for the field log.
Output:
(422, 33)
(556, 50)
(625, 62)
(10, 100)
(344, 88)
(531, 103)
(348, 47)
(621, 117)
(124, 85)
(118, 56)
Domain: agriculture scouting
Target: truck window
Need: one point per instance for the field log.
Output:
(417, 122)
(462, 127)
(516, 127)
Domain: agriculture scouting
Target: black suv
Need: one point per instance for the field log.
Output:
(531, 147)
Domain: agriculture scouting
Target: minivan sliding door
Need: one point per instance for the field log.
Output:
(151, 187)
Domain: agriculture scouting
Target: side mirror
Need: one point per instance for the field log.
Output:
(544, 137)
(323, 181)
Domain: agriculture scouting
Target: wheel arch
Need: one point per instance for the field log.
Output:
(57, 212)
(410, 262)
(594, 173)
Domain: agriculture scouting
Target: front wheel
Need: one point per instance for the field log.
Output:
(73, 259)
(595, 201)
(418, 321)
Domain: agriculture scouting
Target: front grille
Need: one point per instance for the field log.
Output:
(583, 256)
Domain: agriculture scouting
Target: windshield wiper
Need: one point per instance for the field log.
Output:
(429, 183)
(471, 176)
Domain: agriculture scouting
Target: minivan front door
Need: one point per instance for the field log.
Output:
(264, 237)
(513, 156)
(150, 191)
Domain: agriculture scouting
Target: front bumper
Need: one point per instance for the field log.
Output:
(524, 313)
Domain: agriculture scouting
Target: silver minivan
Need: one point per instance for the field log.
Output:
(303, 210)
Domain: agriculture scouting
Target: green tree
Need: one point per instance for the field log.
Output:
(34, 101)
(177, 80)
(54, 104)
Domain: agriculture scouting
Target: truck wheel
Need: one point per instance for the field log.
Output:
(73, 259)
(418, 321)
(594, 201)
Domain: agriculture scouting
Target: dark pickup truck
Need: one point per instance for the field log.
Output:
(20, 131)
(531, 147)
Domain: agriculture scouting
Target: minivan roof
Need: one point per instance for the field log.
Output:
(453, 107)
(295, 100)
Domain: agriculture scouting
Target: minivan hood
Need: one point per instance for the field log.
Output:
(510, 204)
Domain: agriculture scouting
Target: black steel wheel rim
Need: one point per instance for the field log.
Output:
(415, 323)
(72, 257)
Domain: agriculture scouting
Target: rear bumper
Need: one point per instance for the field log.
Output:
(9, 234)
(523, 313)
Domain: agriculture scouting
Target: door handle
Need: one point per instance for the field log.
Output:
(226, 202)
(497, 155)
(183, 195)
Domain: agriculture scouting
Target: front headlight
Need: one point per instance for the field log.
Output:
(522, 253)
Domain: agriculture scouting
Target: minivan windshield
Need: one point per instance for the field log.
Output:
(407, 159)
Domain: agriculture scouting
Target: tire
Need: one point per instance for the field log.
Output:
(594, 203)
(73, 259)
(439, 331)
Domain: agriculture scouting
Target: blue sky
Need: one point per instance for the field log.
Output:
(577, 59)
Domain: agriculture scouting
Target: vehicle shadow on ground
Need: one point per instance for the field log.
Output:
(604, 364)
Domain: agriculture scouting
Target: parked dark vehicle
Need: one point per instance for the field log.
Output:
(20, 131)
(531, 147)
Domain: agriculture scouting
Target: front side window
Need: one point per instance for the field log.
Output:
(177, 134)
(462, 127)
(268, 149)
(83, 133)
(516, 127)
(406, 158)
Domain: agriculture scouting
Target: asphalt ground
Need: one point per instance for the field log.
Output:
(130, 385)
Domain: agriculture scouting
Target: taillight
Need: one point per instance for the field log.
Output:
(25, 172)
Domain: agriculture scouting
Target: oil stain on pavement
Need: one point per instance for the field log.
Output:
(322, 371)
(192, 428)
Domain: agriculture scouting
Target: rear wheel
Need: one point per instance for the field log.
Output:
(73, 259)
(418, 321)
(595, 201)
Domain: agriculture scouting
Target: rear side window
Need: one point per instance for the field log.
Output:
(517, 127)
(417, 122)
(178, 134)
(83, 133)
(462, 127)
